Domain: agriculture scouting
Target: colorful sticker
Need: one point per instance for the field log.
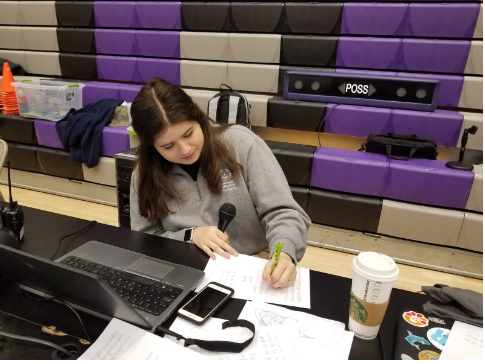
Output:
(428, 355)
(69, 96)
(406, 357)
(438, 336)
(437, 320)
(415, 319)
(357, 310)
(413, 339)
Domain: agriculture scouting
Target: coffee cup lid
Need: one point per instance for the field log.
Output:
(375, 266)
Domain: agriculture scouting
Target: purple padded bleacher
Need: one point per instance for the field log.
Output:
(349, 171)
(115, 41)
(356, 121)
(158, 15)
(428, 182)
(441, 125)
(115, 139)
(158, 43)
(137, 69)
(429, 55)
(94, 91)
(117, 68)
(147, 15)
(450, 89)
(368, 52)
(442, 20)
(114, 14)
(374, 19)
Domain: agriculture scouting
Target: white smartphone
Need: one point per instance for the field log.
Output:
(206, 302)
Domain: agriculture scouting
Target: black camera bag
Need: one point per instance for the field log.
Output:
(400, 146)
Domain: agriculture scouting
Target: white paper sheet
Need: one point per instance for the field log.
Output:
(244, 274)
(316, 336)
(465, 342)
(122, 341)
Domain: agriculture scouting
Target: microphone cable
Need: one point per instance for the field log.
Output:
(66, 236)
(37, 341)
(323, 122)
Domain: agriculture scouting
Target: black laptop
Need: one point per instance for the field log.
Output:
(105, 281)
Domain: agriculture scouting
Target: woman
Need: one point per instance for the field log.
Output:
(188, 167)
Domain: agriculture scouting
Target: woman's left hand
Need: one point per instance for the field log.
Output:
(284, 274)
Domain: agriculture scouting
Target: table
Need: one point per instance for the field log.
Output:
(43, 230)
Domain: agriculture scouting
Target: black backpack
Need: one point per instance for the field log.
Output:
(229, 107)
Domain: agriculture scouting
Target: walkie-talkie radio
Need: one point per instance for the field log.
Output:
(12, 216)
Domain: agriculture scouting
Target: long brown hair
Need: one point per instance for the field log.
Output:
(158, 105)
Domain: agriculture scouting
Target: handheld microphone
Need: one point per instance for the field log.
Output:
(226, 213)
(13, 216)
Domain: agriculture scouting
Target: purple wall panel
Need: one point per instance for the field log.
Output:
(367, 52)
(114, 14)
(350, 171)
(442, 20)
(117, 68)
(115, 41)
(359, 121)
(428, 182)
(374, 19)
(449, 56)
(158, 43)
(167, 69)
(441, 125)
(158, 15)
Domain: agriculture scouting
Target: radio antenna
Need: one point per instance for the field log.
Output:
(12, 204)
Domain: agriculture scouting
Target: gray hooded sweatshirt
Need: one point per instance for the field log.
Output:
(266, 212)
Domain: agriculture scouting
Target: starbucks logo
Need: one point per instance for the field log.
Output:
(357, 311)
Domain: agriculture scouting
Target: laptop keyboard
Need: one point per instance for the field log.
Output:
(143, 294)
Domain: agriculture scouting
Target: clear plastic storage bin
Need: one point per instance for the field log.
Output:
(46, 99)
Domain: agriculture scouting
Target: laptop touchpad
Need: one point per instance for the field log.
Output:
(151, 268)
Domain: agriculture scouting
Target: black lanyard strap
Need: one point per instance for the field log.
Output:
(222, 346)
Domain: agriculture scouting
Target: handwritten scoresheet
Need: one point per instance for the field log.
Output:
(244, 274)
(123, 341)
(465, 342)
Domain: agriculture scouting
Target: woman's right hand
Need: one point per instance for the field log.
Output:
(210, 239)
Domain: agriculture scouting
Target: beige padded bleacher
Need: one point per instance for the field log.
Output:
(479, 27)
(470, 119)
(471, 235)
(42, 63)
(40, 38)
(203, 74)
(201, 97)
(472, 93)
(37, 13)
(104, 173)
(259, 48)
(421, 223)
(11, 37)
(474, 64)
(475, 198)
(253, 77)
(259, 109)
(204, 46)
(9, 12)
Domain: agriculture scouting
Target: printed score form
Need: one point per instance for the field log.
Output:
(465, 342)
(244, 274)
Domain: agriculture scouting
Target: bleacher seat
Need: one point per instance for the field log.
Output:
(104, 173)
(475, 199)
(313, 18)
(256, 17)
(76, 40)
(75, 13)
(471, 234)
(204, 46)
(253, 77)
(295, 115)
(205, 16)
(307, 50)
(203, 74)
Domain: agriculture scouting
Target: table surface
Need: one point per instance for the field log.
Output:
(22, 315)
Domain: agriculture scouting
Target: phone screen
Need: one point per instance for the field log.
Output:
(205, 302)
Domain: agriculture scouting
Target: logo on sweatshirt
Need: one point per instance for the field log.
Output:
(227, 182)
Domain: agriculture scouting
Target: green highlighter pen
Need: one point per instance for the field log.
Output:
(277, 254)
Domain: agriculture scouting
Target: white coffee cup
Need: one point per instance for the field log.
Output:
(372, 280)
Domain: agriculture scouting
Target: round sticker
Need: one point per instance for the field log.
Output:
(406, 357)
(415, 319)
(438, 336)
(428, 355)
